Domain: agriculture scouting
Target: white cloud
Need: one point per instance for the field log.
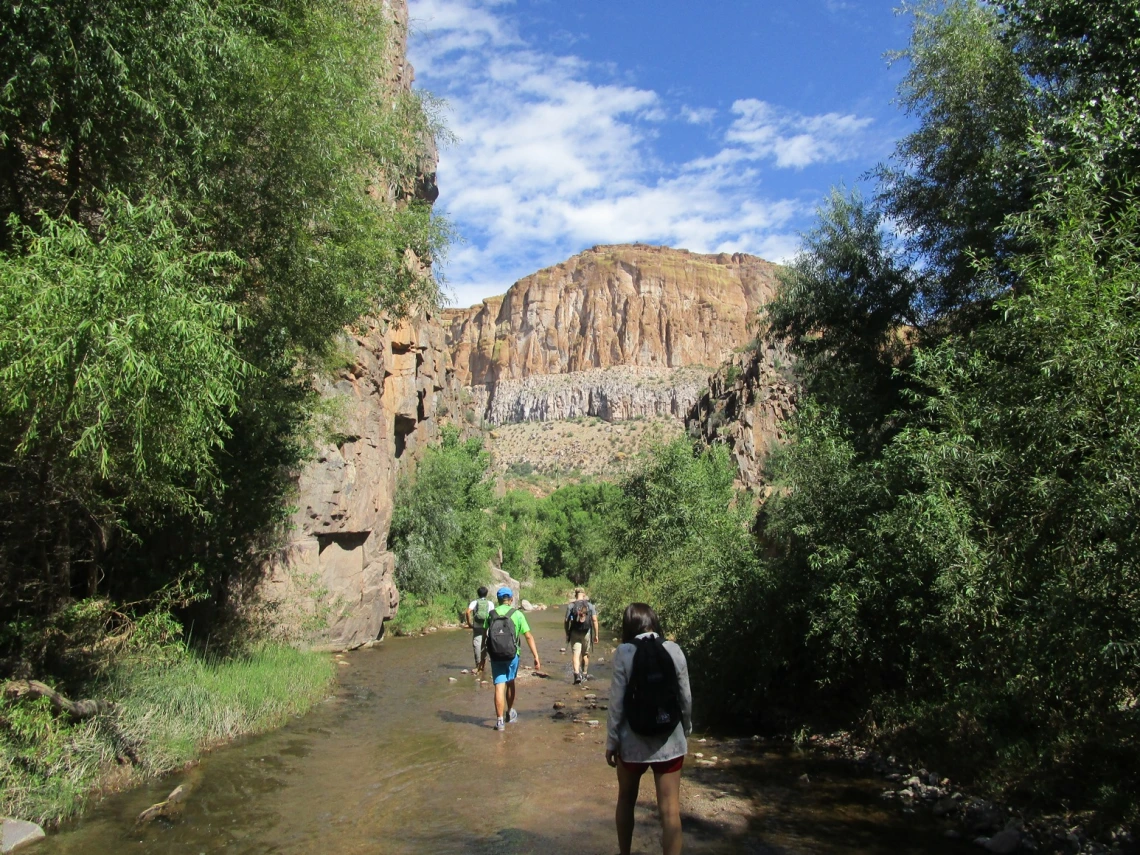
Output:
(555, 154)
(698, 115)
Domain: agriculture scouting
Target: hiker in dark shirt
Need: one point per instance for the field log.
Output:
(581, 625)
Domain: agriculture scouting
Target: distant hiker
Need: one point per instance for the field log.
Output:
(506, 628)
(478, 613)
(650, 714)
(581, 625)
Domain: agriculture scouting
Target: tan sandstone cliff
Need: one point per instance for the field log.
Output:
(387, 402)
(603, 329)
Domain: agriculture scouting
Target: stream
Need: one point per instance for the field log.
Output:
(401, 760)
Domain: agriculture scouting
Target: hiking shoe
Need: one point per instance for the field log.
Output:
(585, 676)
(577, 679)
(499, 724)
(513, 717)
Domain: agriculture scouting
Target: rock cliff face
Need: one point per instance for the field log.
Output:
(745, 406)
(388, 402)
(388, 405)
(628, 307)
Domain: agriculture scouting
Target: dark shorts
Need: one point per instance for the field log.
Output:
(661, 767)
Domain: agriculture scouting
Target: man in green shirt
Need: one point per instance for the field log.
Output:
(506, 627)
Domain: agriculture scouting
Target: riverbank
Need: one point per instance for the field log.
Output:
(387, 766)
(167, 710)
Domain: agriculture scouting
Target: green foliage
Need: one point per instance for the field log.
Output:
(167, 711)
(197, 199)
(578, 538)
(681, 534)
(120, 368)
(840, 307)
(967, 577)
(440, 533)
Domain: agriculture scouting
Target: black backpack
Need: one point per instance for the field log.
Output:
(579, 619)
(652, 696)
(502, 639)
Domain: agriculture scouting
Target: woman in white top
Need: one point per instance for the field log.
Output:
(632, 753)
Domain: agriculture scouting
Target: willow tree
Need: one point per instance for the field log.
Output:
(195, 199)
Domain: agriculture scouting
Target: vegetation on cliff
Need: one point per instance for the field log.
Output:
(195, 199)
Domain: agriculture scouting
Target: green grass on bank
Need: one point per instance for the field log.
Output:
(168, 712)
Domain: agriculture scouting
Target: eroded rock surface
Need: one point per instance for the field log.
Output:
(388, 405)
(746, 405)
(335, 576)
(598, 318)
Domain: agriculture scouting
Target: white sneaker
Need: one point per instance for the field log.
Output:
(514, 716)
(499, 724)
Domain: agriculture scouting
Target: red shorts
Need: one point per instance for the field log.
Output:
(661, 767)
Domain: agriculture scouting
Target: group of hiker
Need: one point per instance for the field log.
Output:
(650, 707)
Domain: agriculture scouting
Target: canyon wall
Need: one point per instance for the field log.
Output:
(607, 331)
(335, 577)
(745, 406)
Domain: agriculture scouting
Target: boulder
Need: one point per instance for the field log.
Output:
(17, 833)
(1002, 843)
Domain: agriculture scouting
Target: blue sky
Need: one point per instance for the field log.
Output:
(714, 126)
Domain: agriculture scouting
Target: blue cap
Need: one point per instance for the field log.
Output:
(504, 592)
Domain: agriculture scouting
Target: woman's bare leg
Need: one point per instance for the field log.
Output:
(669, 809)
(629, 782)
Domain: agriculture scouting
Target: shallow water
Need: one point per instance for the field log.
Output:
(403, 761)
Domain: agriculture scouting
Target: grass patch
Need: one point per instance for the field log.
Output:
(168, 712)
(416, 615)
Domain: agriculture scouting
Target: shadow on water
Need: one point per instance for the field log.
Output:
(404, 762)
(462, 718)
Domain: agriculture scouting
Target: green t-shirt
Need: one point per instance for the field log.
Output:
(519, 619)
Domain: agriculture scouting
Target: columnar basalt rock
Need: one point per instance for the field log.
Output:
(624, 306)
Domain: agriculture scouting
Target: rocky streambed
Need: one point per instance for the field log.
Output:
(404, 759)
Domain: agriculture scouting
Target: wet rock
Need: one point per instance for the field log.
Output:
(561, 649)
(593, 722)
(803, 779)
(983, 818)
(945, 806)
(1002, 843)
(17, 833)
(452, 680)
(464, 671)
(601, 661)
(706, 763)
(590, 696)
(558, 705)
(559, 715)
(167, 809)
(527, 606)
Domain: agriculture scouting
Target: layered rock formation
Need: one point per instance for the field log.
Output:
(746, 406)
(627, 307)
(336, 572)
